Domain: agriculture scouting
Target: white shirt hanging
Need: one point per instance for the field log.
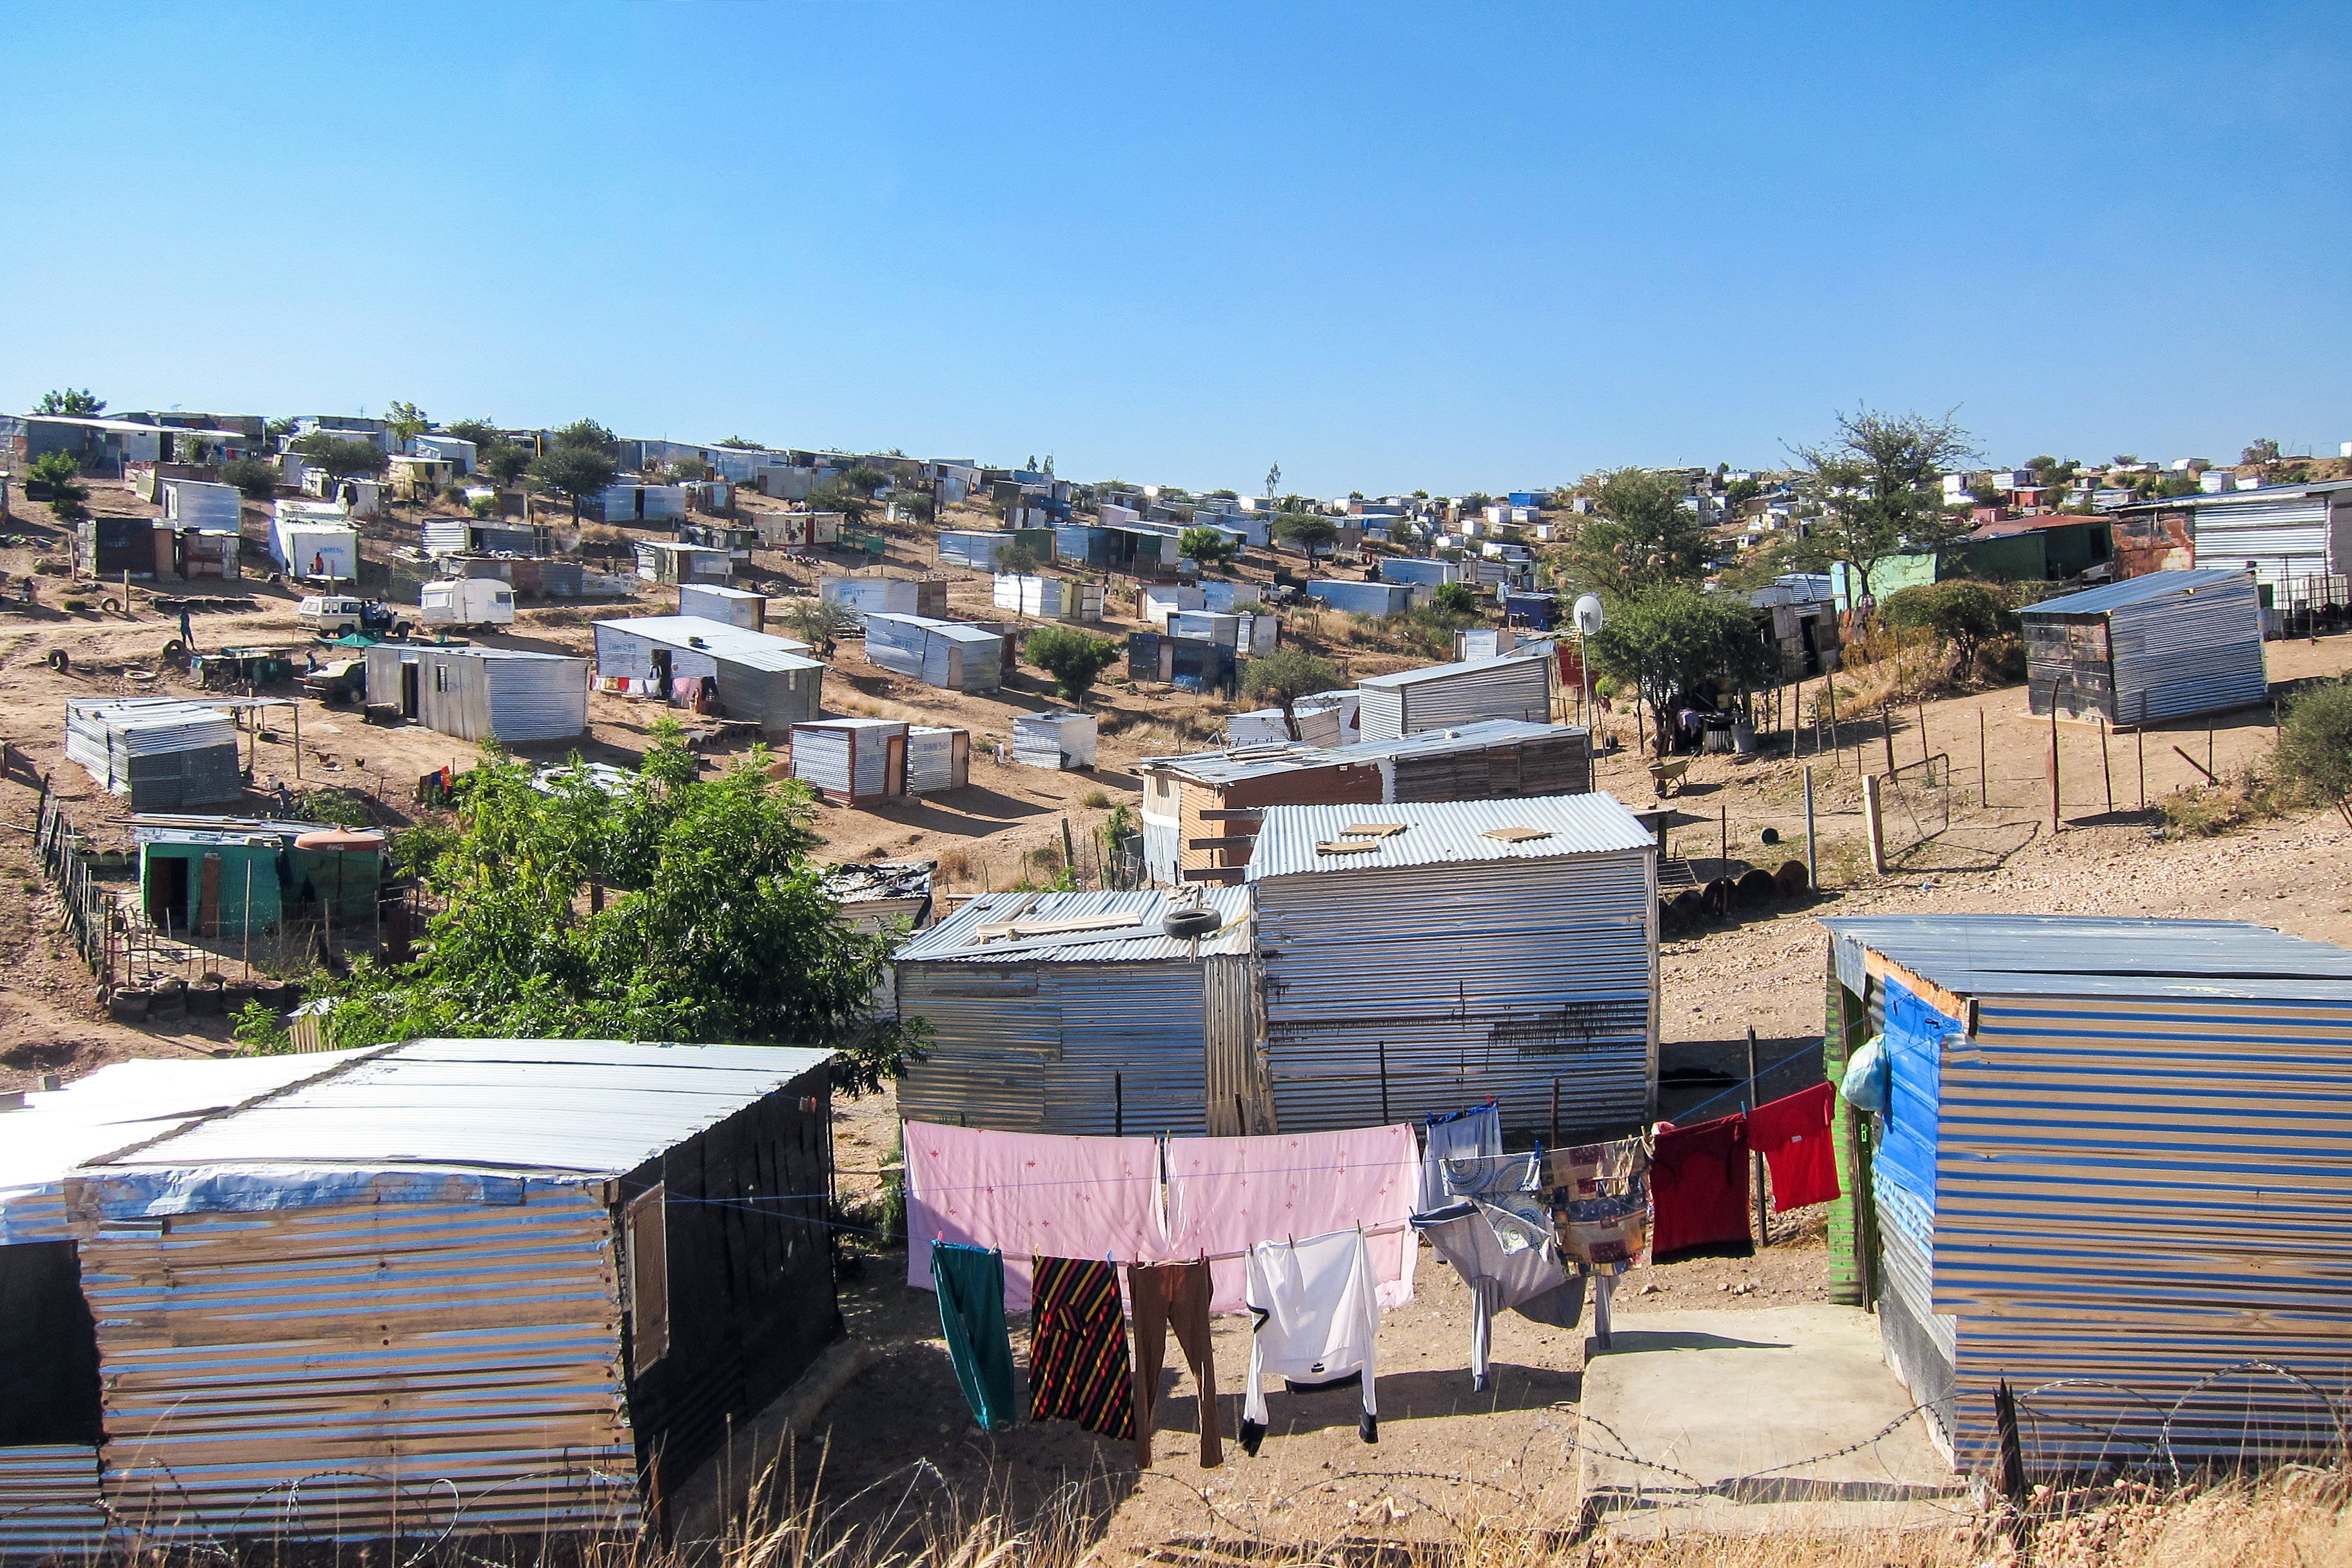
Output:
(1316, 1316)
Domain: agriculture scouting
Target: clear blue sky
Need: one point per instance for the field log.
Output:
(1388, 245)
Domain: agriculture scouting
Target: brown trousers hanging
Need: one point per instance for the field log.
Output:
(1172, 1296)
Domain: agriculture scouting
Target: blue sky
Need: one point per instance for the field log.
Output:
(1389, 247)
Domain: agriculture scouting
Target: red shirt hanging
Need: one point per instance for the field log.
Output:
(1793, 1135)
(1698, 1192)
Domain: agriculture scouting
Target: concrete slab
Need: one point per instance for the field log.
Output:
(1737, 1421)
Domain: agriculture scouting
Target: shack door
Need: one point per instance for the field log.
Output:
(408, 689)
(894, 765)
(167, 891)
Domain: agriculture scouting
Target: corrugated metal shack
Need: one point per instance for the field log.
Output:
(667, 561)
(1443, 695)
(952, 655)
(1054, 739)
(2115, 1151)
(470, 536)
(974, 550)
(737, 542)
(222, 876)
(1430, 573)
(894, 595)
(163, 753)
(2148, 648)
(1325, 718)
(938, 758)
(851, 760)
(736, 608)
(1362, 598)
(476, 692)
(2291, 537)
(1422, 957)
(796, 530)
(1200, 812)
(757, 678)
(1188, 664)
(511, 1286)
(1130, 550)
(1050, 598)
(637, 504)
(1075, 1014)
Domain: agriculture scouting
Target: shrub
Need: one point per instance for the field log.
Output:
(1457, 598)
(76, 607)
(341, 807)
(1072, 657)
(1211, 547)
(1965, 616)
(255, 479)
(1018, 561)
(1097, 800)
(2315, 746)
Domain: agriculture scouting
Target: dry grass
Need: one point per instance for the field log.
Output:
(2295, 1518)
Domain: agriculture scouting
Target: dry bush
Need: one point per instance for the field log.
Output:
(956, 866)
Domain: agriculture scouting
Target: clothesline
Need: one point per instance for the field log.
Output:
(1748, 1083)
(1367, 1231)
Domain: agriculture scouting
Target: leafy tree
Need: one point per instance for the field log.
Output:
(741, 445)
(254, 478)
(1672, 640)
(1284, 676)
(341, 456)
(1739, 492)
(1455, 598)
(1072, 657)
(816, 622)
(1964, 616)
(484, 433)
(1878, 487)
(504, 462)
(865, 479)
(2315, 746)
(1402, 532)
(838, 497)
(71, 404)
(280, 426)
(1308, 531)
(1018, 561)
(62, 474)
(587, 434)
(917, 504)
(577, 470)
(678, 908)
(1639, 536)
(404, 421)
(1211, 547)
(2264, 450)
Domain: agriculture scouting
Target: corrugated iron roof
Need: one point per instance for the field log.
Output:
(1443, 833)
(580, 1107)
(2130, 591)
(1436, 671)
(954, 940)
(1474, 736)
(2030, 955)
(1235, 763)
(736, 645)
(955, 631)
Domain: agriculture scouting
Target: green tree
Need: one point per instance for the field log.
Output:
(577, 471)
(1673, 640)
(865, 479)
(504, 462)
(2315, 746)
(1455, 598)
(678, 908)
(588, 434)
(1072, 657)
(1741, 492)
(2264, 450)
(1960, 615)
(1018, 561)
(1638, 535)
(1307, 530)
(484, 433)
(71, 402)
(341, 456)
(1878, 485)
(1402, 533)
(62, 474)
(741, 445)
(404, 421)
(816, 622)
(1213, 547)
(840, 497)
(255, 478)
(1284, 676)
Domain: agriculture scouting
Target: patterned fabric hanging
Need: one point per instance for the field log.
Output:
(1078, 1348)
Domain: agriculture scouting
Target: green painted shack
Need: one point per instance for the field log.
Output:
(2051, 548)
(232, 876)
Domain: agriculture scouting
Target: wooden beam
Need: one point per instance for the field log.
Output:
(1951, 1004)
(1234, 814)
(1233, 841)
(1017, 929)
(1214, 873)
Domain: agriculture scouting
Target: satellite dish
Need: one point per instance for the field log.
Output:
(1588, 614)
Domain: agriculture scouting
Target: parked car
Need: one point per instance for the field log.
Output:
(331, 615)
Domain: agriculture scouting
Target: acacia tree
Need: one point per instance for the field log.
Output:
(404, 421)
(1307, 530)
(676, 907)
(341, 456)
(1211, 547)
(1638, 535)
(1877, 488)
(1284, 676)
(580, 464)
(1673, 641)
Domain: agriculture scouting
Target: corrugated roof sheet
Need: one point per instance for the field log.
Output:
(2030, 955)
(952, 939)
(1471, 737)
(1449, 832)
(2239, 497)
(2129, 591)
(1436, 671)
(1235, 763)
(736, 645)
(955, 631)
(581, 1107)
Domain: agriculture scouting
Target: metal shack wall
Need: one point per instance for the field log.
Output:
(821, 757)
(1506, 688)
(1528, 768)
(2194, 653)
(1083, 1049)
(344, 1362)
(2282, 540)
(751, 1298)
(2147, 1192)
(534, 699)
(1480, 978)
